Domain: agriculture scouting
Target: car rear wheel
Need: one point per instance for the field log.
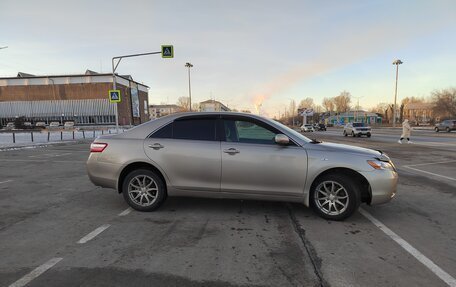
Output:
(143, 190)
(353, 134)
(335, 197)
(345, 134)
(368, 135)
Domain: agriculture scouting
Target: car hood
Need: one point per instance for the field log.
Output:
(333, 147)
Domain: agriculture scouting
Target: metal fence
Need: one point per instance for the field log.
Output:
(93, 111)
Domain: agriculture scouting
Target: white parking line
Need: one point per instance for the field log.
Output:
(431, 173)
(447, 278)
(48, 155)
(9, 180)
(93, 234)
(36, 272)
(430, 163)
(125, 212)
(41, 160)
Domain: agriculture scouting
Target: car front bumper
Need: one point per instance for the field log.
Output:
(383, 185)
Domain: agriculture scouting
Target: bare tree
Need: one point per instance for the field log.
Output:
(328, 104)
(307, 103)
(184, 103)
(444, 102)
(195, 107)
(342, 102)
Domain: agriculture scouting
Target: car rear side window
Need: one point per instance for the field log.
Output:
(195, 129)
(165, 132)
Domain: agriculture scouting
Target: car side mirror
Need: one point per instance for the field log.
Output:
(281, 139)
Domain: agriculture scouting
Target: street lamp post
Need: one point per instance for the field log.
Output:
(189, 65)
(397, 63)
(292, 110)
(357, 108)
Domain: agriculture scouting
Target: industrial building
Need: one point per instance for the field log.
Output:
(82, 98)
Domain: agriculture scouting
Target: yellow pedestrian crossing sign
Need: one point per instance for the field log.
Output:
(114, 96)
(167, 51)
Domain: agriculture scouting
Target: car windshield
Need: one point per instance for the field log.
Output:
(358, 125)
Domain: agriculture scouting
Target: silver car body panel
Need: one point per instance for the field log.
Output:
(201, 168)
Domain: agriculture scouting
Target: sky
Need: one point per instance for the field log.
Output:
(245, 53)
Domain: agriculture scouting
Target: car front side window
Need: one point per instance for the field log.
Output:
(244, 131)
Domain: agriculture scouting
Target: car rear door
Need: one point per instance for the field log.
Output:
(252, 163)
(188, 151)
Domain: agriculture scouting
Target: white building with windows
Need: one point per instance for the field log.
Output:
(157, 111)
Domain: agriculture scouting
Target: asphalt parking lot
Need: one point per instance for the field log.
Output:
(57, 229)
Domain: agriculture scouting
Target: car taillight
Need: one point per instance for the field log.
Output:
(98, 147)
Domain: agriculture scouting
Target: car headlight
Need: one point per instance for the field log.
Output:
(377, 164)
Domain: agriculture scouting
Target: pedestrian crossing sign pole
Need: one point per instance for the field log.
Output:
(114, 96)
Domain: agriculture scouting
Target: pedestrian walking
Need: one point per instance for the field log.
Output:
(406, 129)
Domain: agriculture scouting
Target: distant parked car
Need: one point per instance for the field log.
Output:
(10, 126)
(54, 125)
(307, 128)
(68, 125)
(40, 125)
(357, 129)
(27, 125)
(447, 125)
(320, 127)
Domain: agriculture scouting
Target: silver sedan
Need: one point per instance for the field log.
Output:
(236, 155)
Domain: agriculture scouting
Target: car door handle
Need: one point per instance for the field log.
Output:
(156, 146)
(231, 151)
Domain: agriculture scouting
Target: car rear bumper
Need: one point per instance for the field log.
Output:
(383, 185)
(102, 173)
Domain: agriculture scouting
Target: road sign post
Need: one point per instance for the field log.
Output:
(167, 51)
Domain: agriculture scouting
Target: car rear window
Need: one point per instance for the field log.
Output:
(195, 129)
(188, 129)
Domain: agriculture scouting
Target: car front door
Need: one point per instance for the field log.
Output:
(188, 151)
(252, 163)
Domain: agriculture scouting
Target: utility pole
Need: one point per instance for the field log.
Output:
(397, 63)
(189, 65)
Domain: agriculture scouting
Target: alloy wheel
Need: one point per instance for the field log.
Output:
(143, 190)
(331, 197)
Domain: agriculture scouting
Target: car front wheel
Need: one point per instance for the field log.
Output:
(345, 134)
(143, 190)
(447, 129)
(436, 130)
(335, 197)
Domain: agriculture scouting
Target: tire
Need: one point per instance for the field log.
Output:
(353, 134)
(349, 190)
(345, 134)
(447, 129)
(369, 135)
(137, 200)
(436, 130)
